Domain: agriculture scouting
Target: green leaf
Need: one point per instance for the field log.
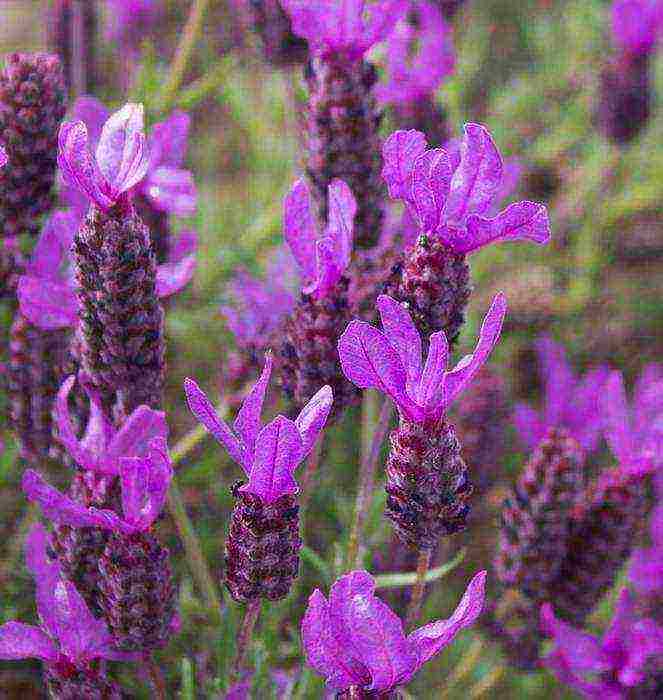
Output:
(188, 683)
(401, 580)
(317, 562)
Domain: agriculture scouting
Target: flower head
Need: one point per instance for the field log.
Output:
(268, 455)
(605, 668)
(68, 635)
(570, 402)
(343, 28)
(391, 360)
(636, 25)
(419, 55)
(322, 259)
(354, 639)
(450, 201)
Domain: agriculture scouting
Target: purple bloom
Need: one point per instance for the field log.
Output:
(347, 27)
(646, 571)
(129, 19)
(69, 637)
(268, 455)
(390, 360)
(635, 435)
(636, 25)
(419, 56)
(321, 259)
(356, 641)
(165, 184)
(3, 156)
(570, 402)
(450, 202)
(603, 669)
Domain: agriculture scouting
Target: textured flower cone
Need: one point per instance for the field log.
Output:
(435, 284)
(136, 591)
(32, 105)
(343, 141)
(427, 483)
(424, 115)
(481, 421)
(535, 518)
(68, 683)
(603, 532)
(280, 46)
(262, 549)
(158, 226)
(79, 550)
(9, 272)
(39, 361)
(625, 99)
(309, 354)
(357, 693)
(121, 317)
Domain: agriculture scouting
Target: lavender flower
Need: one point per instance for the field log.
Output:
(309, 356)
(342, 123)
(419, 56)
(449, 205)
(128, 20)
(262, 550)
(136, 591)
(608, 668)
(358, 644)
(571, 402)
(427, 482)
(69, 640)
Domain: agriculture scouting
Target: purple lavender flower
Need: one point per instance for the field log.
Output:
(448, 202)
(69, 640)
(358, 643)
(128, 20)
(427, 482)
(309, 357)
(636, 25)
(570, 402)
(605, 669)
(262, 550)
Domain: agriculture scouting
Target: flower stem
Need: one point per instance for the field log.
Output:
(156, 677)
(185, 48)
(367, 479)
(245, 635)
(417, 595)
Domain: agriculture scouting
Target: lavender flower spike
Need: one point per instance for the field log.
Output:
(262, 550)
(609, 668)
(427, 482)
(357, 642)
(69, 640)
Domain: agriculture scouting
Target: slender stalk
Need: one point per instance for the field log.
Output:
(366, 481)
(245, 635)
(185, 48)
(417, 595)
(156, 677)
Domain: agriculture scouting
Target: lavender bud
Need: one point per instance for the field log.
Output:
(65, 682)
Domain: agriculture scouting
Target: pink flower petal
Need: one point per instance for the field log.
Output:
(171, 190)
(400, 151)
(616, 419)
(299, 228)
(135, 437)
(430, 392)
(19, 641)
(431, 178)
(48, 304)
(529, 426)
(93, 113)
(168, 140)
(80, 453)
(312, 418)
(247, 422)
(172, 277)
(403, 337)
(342, 211)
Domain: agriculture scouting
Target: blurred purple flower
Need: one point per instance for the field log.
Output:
(646, 572)
(3, 156)
(603, 669)
(569, 402)
(322, 259)
(636, 25)
(450, 202)
(268, 455)
(356, 641)
(348, 28)
(128, 20)
(415, 74)
(390, 360)
(69, 637)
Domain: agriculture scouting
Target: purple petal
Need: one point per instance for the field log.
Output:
(121, 152)
(278, 452)
(616, 419)
(183, 245)
(583, 414)
(462, 374)
(477, 179)
(168, 141)
(312, 418)
(172, 277)
(77, 165)
(342, 211)
(529, 425)
(204, 411)
(171, 190)
(430, 392)
(48, 304)
(370, 362)
(52, 250)
(643, 642)
(84, 457)
(299, 228)
(646, 570)
(3, 156)
(341, 595)
(429, 640)
(520, 221)
(635, 25)
(557, 377)
(403, 337)
(135, 437)
(400, 151)
(513, 170)
(247, 423)
(93, 113)
(328, 270)
(19, 641)
(431, 179)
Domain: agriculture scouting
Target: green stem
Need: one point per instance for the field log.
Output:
(417, 595)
